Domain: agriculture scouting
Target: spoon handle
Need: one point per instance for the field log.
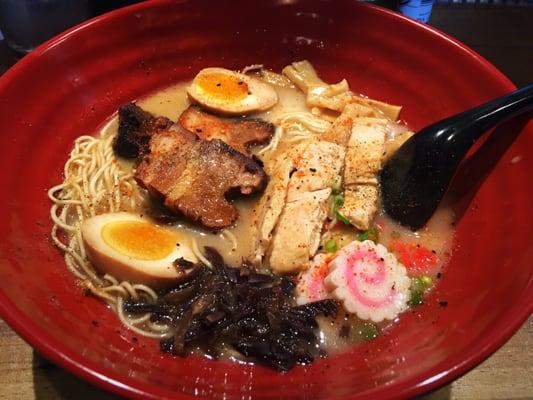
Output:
(473, 123)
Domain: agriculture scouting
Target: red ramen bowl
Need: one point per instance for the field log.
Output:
(73, 83)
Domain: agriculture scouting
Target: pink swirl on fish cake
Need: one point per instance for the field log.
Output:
(369, 281)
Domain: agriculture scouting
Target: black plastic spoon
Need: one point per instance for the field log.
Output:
(414, 180)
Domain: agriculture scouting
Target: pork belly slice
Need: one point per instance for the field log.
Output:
(241, 134)
(135, 128)
(195, 176)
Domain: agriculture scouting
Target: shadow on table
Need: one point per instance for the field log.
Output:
(444, 393)
(51, 382)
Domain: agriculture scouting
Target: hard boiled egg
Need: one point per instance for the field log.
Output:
(230, 92)
(134, 249)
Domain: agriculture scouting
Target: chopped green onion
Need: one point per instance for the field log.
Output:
(331, 246)
(415, 298)
(427, 281)
(370, 234)
(338, 201)
(417, 290)
(337, 186)
(419, 286)
(342, 218)
(368, 331)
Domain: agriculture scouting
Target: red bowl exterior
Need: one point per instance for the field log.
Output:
(71, 84)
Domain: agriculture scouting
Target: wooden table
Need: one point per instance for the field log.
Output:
(504, 35)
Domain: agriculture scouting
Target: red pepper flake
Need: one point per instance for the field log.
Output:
(416, 258)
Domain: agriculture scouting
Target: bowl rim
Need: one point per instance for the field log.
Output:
(107, 379)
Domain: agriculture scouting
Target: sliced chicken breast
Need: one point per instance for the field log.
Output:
(360, 205)
(297, 235)
(317, 167)
(273, 200)
(364, 155)
(293, 210)
(364, 151)
(341, 129)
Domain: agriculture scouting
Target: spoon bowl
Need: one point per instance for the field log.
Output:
(416, 177)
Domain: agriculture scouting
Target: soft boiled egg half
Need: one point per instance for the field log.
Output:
(229, 92)
(132, 248)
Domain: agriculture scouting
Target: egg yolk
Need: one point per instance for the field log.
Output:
(223, 86)
(140, 240)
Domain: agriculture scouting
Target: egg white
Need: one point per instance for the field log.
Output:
(261, 96)
(157, 273)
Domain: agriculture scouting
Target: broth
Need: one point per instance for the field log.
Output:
(208, 308)
(172, 101)
(334, 336)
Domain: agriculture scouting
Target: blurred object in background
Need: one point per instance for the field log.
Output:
(27, 23)
(391, 4)
(98, 7)
(416, 9)
(488, 2)
(421, 9)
